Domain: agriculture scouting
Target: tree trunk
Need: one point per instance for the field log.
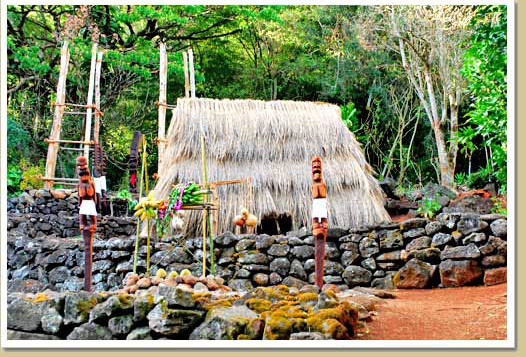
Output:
(446, 171)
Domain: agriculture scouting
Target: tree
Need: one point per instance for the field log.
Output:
(485, 69)
(429, 42)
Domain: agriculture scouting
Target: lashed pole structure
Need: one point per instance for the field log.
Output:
(54, 137)
(161, 132)
(98, 113)
(89, 111)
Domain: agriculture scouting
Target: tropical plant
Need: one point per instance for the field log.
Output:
(429, 207)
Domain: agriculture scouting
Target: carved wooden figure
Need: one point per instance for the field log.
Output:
(319, 219)
(87, 215)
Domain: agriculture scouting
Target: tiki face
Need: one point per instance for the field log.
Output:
(316, 169)
(82, 167)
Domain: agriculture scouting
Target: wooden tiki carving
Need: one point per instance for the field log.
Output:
(87, 215)
(319, 218)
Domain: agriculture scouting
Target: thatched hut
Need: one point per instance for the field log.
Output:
(273, 144)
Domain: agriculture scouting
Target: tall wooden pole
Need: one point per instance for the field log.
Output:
(192, 74)
(163, 74)
(186, 78)
(205, 211)
(96, 126)
(89, 111)
(53, 147)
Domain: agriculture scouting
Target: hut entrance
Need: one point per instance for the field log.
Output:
(274, 223)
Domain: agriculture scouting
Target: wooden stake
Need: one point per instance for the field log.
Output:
(96, 127)
(205, 215)
(186, 79)
(163, 74)
(87, 133)
(52, 152)
(192, 74)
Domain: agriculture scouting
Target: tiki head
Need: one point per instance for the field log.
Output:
(316, 169)
(82, 168)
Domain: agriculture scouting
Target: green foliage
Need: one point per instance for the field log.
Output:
(14, 176)
(498, 206)
(31, 175)
(485, 69)
(430, 207)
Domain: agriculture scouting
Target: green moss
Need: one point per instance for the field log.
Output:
(84, 307)
(278, 328)
(243, 337)
(40, 297)
(258, 305)
(307, 297)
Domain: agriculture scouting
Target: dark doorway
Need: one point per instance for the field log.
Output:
(273, 223)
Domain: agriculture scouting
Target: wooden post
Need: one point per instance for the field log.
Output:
(205, 212)
(163, 74)
(53, 147)
(192, 74)
(186, 79)
(96, 127)
(87, 133)
(215, 217)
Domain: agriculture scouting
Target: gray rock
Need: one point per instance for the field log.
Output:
(240, 285)
(390, 240)
(176, 296)
(280, 266)
(275, 278)
(389, 256)
(349, 257)
(227, 256)
(433, 227)
(303, 251)
(493, 261)
(469, 223)
(143, 303)
(173, 322)
(418, 243)
(73, 283)
(474, 238)
(90, 331)
(279, 250)
(441, 239)
(293, 282)
(428, 255)
(26, 315)
(225, 239)
(356, 275)
(499, 228)
(307, 336)
(27, 336)
(293, 241)
(245, 244)
(260, 279)
(354, 238)
(300, 233)
(385, 283)
(415, 274)
(379, 274)
(494, 245)
(59, 274)
(51, 321)
(242, 273)
(331, 251)
(369, 263)
(22, 273)
(224, 323)
(455, 273)
(413, 223)
(333, 268)
(336, 232)
(120, 325)
(105, 310)
(368, 247)
(252, 258)
(140, 333)
(462, 252)
(297, 270)
(78, 305)
(413, 233)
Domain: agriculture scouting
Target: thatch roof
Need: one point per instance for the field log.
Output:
(273, 144)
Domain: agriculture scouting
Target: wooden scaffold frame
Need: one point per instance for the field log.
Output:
(60, 106)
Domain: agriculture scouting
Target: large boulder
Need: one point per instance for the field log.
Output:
(355, 275)
(499, 228)
(225, 323)
(462, 252)
(454, 273)
(495, 276)
(173, 322)
(90, 331)
(469, 223)
(390, 240)
(26, 314)
(416, 274)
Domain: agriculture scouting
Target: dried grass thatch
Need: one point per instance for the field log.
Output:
(273, 144)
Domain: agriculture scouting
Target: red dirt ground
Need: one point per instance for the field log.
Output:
(467, 313)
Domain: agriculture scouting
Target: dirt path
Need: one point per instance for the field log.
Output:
(442, 314)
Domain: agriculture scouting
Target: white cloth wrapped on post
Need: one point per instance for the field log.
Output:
(87, 207)
(319, 208)
(98, 188)
(103, 183)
